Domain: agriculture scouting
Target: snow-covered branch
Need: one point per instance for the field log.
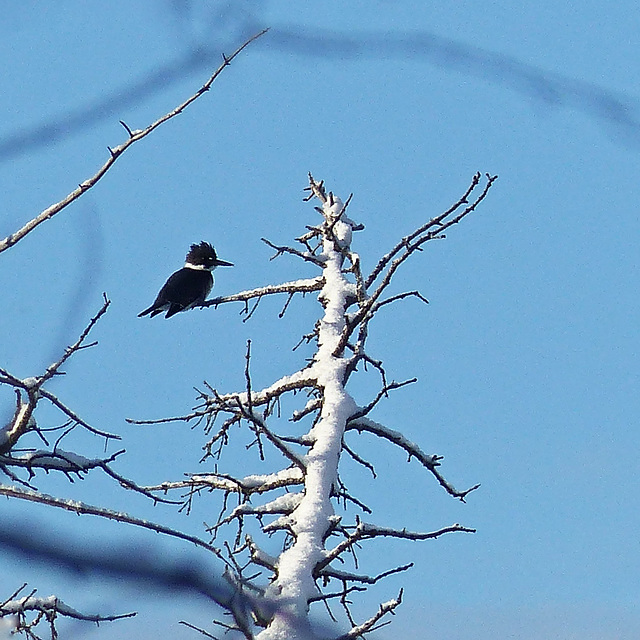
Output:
(308, 285)
(247, 486)
(298, 501)
(48, 608)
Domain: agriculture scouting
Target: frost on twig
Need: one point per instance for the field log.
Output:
(297, 499)
(25, 614)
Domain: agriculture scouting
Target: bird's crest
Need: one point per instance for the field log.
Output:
(202, 254)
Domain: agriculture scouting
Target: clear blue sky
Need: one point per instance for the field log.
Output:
(527, 356)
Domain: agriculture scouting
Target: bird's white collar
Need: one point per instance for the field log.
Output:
(197, 267)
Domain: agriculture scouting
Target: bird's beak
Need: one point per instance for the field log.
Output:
(223, 263)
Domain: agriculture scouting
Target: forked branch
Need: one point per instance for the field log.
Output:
(30, 391)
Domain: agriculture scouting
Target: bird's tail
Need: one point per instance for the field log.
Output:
(148, 311)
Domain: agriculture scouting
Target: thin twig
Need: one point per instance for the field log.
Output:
(284, 249)
(69, 351)
(87, 509)
(116, 152)
(430, 462)
(434, 222)
(296, 286)
(385, 608)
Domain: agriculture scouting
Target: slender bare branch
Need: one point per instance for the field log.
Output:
(434, 222)
(23, 420)
(383, 393)
(364, 531)
(431, 462)
(116, 152)
(186, 418)
(87, 509)
(274, 439)
(337, 594)
(362, 579)
(296, 286)
(54, 368)
(359, 459)
(385, 608)
(405, 248)
(76, 418)
(308, 257)
(206, 634)
(399, 296)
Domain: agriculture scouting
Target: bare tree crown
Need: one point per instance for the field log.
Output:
(297, 500)
(269, 594)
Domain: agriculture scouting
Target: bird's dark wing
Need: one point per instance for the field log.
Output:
(183, 290)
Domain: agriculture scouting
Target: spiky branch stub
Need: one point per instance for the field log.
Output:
(306, 487)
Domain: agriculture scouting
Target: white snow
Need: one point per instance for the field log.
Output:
(30, 383)
(310, 520)
(60, 459)
(17, 423)
(261, 482)
(285, 502)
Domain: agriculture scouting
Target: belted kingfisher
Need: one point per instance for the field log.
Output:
(189, 286)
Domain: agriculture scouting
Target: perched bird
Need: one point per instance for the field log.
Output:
(189, 286)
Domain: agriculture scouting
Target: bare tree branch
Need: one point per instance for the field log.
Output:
(206, 634)
(296, 286)
(23, 420)
(383, 393)
(87, 509)
(308, 257)
(431, 462)
(116, 152)
(54, 368)
(385, 608)
(406, 247)
(364, 531)
(434, 222)
(400, 296)
(363, 579)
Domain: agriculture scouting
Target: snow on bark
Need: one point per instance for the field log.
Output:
(301, 510)
(294, 586)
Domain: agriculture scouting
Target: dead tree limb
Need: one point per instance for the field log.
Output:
(298, 502)
(116, 152)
